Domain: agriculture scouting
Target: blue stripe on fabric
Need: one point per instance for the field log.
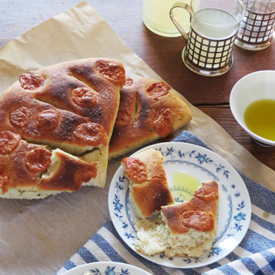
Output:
(157, 269)
(107, 248)
(232, 257)
(265, 224)
(69, 265)
(266, 201)
(250, 265)
(259, 272)
(187, 137)
(272, 265)
(270, 258)
(86, 255)
(256, 243)
(268, 255)
(188, 271)
(214, 265)
(228, 270)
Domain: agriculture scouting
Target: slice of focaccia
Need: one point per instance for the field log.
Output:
(58, 119)
(182, 229)
(148, 110)
(147, 182)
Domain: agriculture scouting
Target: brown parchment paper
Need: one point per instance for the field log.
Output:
(38, 237)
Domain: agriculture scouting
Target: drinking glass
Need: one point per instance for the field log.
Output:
(156, 17)
(213, 29)
(256, 30)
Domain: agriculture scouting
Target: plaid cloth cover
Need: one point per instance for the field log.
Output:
(254, 255)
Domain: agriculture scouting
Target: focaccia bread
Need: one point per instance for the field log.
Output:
(182, 229)
(147, 182)
(148, 110)
(55, 127)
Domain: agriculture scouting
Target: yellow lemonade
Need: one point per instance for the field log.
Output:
(157, 19)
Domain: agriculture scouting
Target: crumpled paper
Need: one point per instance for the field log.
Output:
(39, 236)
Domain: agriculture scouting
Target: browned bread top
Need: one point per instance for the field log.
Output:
(144, 166)
(151, 195)
(20, 163)
(148, 184)
(198, 213)
(73, 172)
(71, 106)
(148, 110)
(73, 102)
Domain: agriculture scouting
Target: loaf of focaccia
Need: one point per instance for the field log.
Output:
(55, 127)
(148, 110)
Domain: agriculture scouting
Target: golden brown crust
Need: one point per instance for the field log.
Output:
(197, 213)
(149, 189)
(73, 172)
(71, 106)
(102, 77)
(17, 172)
(148, 110)
(135, 169)
(151, 195)
(22, 109)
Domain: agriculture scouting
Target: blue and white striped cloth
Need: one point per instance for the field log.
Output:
(254, 255)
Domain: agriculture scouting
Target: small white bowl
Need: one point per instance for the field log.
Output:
(252, 87)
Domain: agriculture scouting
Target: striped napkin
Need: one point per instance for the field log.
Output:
(254, 255)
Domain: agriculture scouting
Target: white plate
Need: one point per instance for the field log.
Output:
(234, 211)
(108, 268)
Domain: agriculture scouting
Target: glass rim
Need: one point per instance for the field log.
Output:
(263, 13)
(240, 3)
(258, 2)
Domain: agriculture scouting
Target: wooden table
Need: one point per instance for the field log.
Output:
(163, 55)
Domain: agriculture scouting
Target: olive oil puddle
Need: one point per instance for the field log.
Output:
(183, 186)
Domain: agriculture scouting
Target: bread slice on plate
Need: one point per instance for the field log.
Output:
(148, 110)
(55, 127)
(182, 229)
(162, 225)
(147, 182)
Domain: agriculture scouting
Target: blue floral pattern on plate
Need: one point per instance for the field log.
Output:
(109, 270)
(106, 268)
(234, 204)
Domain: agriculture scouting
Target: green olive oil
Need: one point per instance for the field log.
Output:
(183, 186)
(259, 118)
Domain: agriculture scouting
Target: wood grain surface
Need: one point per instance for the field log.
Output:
(162, 54)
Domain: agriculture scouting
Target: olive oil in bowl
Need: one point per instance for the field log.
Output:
(259, 118)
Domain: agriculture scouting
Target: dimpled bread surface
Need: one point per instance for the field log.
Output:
(148, 110)
(55, 127)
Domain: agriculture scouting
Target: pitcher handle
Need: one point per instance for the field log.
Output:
(175, 20)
